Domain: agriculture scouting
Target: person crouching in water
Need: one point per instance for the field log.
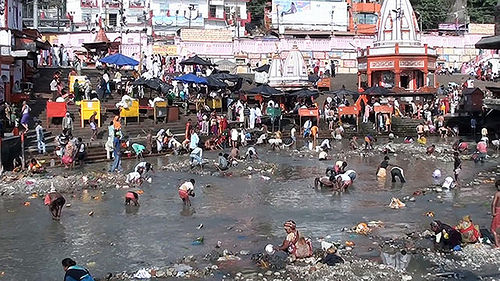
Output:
(132, 197)
(447, 238)
(343, 181)
(222, 162)
(185, 190)
(251, 153)
(382, 168)
(397, 172)
(56, 202)
(295, 244)
(325, 181)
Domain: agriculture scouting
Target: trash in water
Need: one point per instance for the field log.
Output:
(430, 214)
(349, 243)
(142, 274)
(140, 191)
(33, 195)
(326, 245)
(270, 249)
(265, 178)
(27, 203)
(198, 241)
(219, 244)
(91, 264)
(91, 213)
(396, 203)
(375, 223)
(68, 205)
(362, 228)
(200, 226)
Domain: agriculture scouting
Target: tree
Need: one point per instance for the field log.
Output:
(256, 8)
(481, 11)
(430, 12)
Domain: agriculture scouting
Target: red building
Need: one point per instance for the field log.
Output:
(398, 60)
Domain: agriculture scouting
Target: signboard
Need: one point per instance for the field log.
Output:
(178, 14)
(331, 13)
(349, 63)
(486, 29)
(165, 50)
(207, 35)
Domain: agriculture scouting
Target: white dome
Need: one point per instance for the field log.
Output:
(397, 24)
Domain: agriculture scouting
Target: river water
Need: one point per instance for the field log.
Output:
(243, 213)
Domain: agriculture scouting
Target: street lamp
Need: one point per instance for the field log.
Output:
(191, 8)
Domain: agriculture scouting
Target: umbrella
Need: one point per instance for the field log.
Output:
(262, 68)
(313, 78)
(305, 93)
(230, 77)
(226, 65)
(343, 91)
(214, 82)
(195, 60)
(141, 81)
(120, 60)
(265, 90)
(191, 78)
(377, 91)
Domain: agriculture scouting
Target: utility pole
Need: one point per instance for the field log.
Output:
(35, 14)
(58, 19)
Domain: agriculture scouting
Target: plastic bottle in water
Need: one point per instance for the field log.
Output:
(52, 162)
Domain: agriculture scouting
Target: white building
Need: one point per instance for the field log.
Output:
(165, 16)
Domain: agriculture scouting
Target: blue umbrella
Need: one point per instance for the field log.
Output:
(191, 78)
(120, 60)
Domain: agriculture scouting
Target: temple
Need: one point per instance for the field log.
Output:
(398, 60)
(290, 73)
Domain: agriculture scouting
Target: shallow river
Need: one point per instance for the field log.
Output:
(242, 213)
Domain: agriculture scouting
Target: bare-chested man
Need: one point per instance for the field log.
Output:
(495, 212)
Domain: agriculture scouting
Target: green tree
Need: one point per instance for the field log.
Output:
(481, 11)
(430, 12)
(256, 8)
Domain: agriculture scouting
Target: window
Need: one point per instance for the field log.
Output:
(112, 19)
(212, 12)
(364, 18)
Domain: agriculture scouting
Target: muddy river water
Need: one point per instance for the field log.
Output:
(243, 213)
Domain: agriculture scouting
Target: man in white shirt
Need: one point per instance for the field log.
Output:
(185, 190)
(196, 157)
(53, 88)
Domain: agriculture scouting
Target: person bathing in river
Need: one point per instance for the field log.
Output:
(337, 169)
(74, 272)
(447, 238)
(251, 153)
(132, 197)
(431, 149)
(343, 181)
(324, 181)
(382, 168)
(222, 162)
(399, 173)
(146, 167)
(495, 213)
(295, 244)
(55, 201)
(185, 190)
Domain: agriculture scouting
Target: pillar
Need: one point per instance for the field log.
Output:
(369, 77)
(397, 79)
(359, 80)
(426, 78)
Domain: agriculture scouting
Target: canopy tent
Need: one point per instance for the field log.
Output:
(120, 60)
(265, 90)
(262, 68)
(196, 60)
(305, 93)
(191, 78)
